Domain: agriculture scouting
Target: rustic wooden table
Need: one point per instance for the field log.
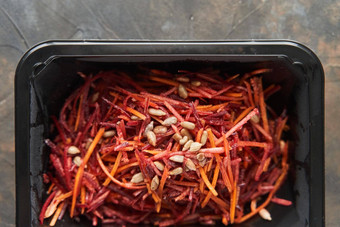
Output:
(312, 22)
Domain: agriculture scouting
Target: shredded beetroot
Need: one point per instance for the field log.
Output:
(166, 149)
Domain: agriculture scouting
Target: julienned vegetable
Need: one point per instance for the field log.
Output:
(168, 149)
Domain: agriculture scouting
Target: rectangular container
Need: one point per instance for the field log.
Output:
(46, 75)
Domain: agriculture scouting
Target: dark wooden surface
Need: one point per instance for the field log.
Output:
(312, 22)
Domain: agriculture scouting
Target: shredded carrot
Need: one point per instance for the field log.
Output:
(270, 87)
(153, 194)
(114, 169)
(82, 198)
(176, 147)
(209, 165)
(233, 94)
(78, 113)
(120, 169)
(263, 108)
(211, 107)
(284, 155)
(64, 196)
(199, 135)
(202, 107)
(242, 115)
(153, 152)
(233, 204)
(201, 185)
(161, 186)
(211, 137)
(50, 188)
(164, 81)
(217, 200)
(80, 172)
(56, 214)
(233, 77)
(206, 181)
(108, 158)
(136, 113)
(266, 164)
(214, 181)
(251, 144)
(157, 119)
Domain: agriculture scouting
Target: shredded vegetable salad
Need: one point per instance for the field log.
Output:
(166, 149)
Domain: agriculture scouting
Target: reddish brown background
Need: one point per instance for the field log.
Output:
(312, 22)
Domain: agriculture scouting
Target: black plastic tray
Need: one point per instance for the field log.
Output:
(46, 75)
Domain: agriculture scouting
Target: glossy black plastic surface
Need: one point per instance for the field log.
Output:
(46, 75)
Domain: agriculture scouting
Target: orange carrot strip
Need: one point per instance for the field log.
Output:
(160, 188)
(251, 144)
(56, 214)
(214, 182)
(242, 115)
(114, 169)
(199, 135)
(64, 196)
(78, 113)
(234, 94)
(50, 188)
(108, 158)
(209, 166)
(263, 107)
(206, 181)
(82, 198)
(176, 147)
(218, 201)
(211, 137)
(284, 155)
(173, 111)
(80, 172)
(269, 88)
(164, 81)
(136, 113)
(153, 152)
(157, 119)
(202, 107)
(120, 169)
(232, 77)
(233, 204)
(266, 164)
(201, 185)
